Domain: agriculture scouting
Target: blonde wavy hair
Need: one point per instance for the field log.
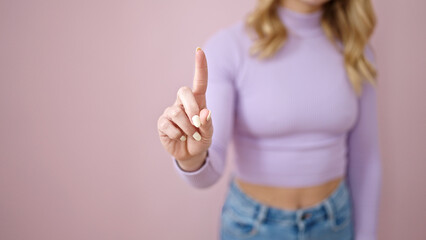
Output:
(349, 21)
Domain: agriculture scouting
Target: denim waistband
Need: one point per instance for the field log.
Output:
(251, 207)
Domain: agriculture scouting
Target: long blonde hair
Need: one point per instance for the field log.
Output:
(349, 21)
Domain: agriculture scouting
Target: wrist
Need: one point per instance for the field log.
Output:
(193, 164)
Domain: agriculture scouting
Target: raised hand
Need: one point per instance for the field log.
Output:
(185, 128)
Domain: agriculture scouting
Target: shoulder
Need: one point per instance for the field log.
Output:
(228, 45)
(370, 54)
(368, 88)
(229, 36)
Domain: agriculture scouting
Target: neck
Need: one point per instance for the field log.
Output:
(301, 24)
(299, 6)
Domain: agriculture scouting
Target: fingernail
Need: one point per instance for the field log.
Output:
(196, 50)
(208, 116)
(183, 138)
(196, 120)
(196, 136)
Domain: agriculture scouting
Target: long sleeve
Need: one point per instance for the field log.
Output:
(364, 166)
(222, 60)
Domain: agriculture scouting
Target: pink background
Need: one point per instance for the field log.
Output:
(82, 84)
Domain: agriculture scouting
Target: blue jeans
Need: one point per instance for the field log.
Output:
(245, 218)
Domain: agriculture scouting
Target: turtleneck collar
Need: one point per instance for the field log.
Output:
(301, 24)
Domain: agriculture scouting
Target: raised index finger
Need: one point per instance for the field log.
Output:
(200, 75)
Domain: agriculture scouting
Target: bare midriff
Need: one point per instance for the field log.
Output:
(289, 198)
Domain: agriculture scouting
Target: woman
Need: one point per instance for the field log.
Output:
(293, 86)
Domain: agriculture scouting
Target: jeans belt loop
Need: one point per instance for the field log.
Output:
(261, 215)
(329, 208)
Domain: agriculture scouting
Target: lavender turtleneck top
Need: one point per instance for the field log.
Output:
(294, 119)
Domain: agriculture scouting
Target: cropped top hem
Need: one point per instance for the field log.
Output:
(281, 163)
(295, 180)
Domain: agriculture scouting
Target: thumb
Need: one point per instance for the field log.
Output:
(206, 128)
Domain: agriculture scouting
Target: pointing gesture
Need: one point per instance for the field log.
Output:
(185, 128)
